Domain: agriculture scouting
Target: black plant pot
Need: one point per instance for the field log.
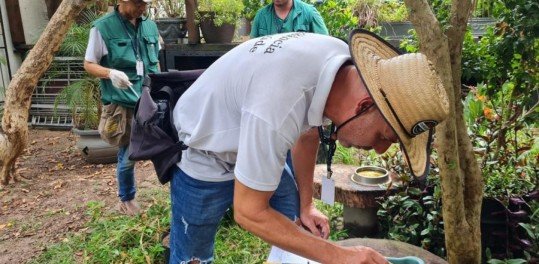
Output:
(171, 29)
(500, 230)
(494, 230)
(215, 34)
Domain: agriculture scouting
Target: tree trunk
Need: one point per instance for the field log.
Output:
(193, 33)
(461, 181)
(102, 5)
(14, 138)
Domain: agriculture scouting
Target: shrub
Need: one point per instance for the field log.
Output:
(338, 17)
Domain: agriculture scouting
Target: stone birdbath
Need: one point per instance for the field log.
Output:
(359, 200)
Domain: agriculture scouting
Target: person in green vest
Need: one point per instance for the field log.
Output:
(123, 48)
(287, 16)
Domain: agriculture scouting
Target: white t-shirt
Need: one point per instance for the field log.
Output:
(96, 48)
(250, 106)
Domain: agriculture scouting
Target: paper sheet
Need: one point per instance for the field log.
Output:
(278, 255)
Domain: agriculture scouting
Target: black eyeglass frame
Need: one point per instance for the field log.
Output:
(363, 111)
(328, 142)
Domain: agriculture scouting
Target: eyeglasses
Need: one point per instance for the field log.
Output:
(352, 118)
(328, 141)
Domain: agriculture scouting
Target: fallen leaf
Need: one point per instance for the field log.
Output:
(58, 185)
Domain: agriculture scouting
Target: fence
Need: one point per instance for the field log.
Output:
(62, 72)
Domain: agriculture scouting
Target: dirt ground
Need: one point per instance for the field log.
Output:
(49, 201)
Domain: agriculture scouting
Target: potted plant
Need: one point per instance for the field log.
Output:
(82, 98)
(169, 15)
(218, 19)
(393, 20)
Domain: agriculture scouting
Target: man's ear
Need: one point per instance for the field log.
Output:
(364, 103)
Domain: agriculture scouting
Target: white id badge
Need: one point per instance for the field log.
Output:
(140, 68)
(328, 190)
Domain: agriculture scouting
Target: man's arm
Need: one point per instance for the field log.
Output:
(252, 212)
(96, 70)
(318, 24)
(304, 158)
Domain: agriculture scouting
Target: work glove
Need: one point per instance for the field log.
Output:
(119, 79)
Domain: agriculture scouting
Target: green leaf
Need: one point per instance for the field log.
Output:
(516, 261)
(529, 229)
(495, 261)
(414, 191)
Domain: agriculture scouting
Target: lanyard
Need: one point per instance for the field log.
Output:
(329, 146)
(134, 41)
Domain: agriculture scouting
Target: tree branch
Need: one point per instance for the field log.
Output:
(21, 87)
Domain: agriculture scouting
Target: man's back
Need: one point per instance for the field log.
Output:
(258, 94)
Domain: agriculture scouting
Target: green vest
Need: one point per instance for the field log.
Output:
(302, 17)
(121, 54)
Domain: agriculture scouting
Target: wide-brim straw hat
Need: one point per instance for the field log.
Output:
(407, 91)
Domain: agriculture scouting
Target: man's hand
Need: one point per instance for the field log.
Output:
(315, 221)
(360, 254)
(119, 79)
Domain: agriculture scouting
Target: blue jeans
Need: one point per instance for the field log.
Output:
(198, 206)
(125, 175)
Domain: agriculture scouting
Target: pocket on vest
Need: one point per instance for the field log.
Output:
(122, 53)
(152, 48)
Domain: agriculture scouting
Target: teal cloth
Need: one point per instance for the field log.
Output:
(405, 260)
(302, 18)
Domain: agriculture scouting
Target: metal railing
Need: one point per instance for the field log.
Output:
(62, 72)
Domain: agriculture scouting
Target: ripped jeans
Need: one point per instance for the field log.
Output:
(198, 206)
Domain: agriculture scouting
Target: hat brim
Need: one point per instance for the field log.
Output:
(366, 49)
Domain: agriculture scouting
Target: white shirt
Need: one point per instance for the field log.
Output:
(250, 106)
(96, 48)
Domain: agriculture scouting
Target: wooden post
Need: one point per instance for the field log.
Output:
(15, 22)
(193, 34)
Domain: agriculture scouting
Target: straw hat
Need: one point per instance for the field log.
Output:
(407, 91)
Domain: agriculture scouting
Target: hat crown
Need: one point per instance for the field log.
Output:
(407, 91)
(413, 92)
